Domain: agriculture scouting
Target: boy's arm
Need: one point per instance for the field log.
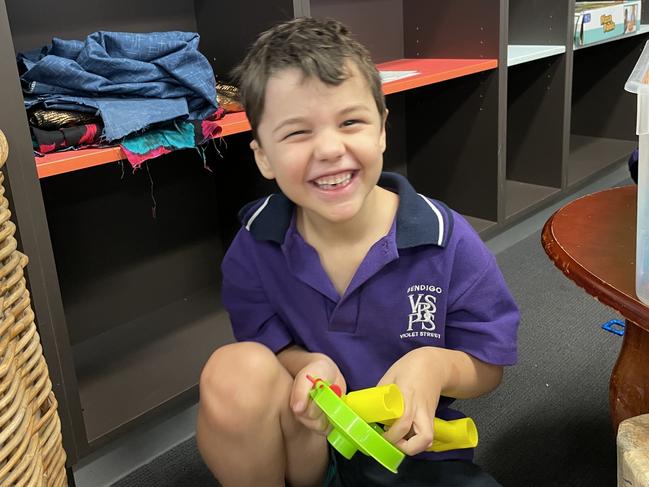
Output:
(464, 376)
(294, 358)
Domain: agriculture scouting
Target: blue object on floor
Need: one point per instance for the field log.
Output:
(614, 326)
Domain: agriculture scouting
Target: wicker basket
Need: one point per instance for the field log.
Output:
(31, 450)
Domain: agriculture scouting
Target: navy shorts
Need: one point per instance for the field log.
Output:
(365, 471)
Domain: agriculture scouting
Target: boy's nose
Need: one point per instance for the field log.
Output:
(329, 146)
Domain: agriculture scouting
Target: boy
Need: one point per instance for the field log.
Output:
(347, 275)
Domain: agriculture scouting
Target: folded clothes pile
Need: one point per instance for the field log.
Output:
(151, 93)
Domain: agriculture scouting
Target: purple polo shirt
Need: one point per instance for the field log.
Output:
(430, 281)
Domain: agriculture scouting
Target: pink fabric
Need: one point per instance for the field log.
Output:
(137, 159)
(210, 126)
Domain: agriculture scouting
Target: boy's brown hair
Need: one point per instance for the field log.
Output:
(318, 48)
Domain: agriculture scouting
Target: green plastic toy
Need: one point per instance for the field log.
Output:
(350, 433)
(354, 417)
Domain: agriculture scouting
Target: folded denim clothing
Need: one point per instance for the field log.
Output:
(131, 80)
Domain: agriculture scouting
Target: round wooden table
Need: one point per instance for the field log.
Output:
(592, 241)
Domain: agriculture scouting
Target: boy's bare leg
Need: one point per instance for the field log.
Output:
(246, 431)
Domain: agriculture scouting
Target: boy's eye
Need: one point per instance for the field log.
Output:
(349, 123)
(295, 133)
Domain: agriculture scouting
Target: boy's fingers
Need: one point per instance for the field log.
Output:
(423, 434)
(319, 425)
(400, 428)
(312, 411)
(300, 394)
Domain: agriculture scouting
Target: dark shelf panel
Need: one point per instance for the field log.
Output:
(480, 225)
(134, 368)
(521, 196)
(592, 155)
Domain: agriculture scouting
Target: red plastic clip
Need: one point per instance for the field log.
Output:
(334, 387)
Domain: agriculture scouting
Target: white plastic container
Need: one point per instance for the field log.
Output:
(638, 83)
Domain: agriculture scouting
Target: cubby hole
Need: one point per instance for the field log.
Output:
(137, 256)
(602, 130)
(452, 145)
(541, 24)
(535, 124)
(76, 19)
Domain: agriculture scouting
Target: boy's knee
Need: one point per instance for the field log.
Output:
(239, 380)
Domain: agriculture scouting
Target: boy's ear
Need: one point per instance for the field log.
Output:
(382, 142)
(262, 161)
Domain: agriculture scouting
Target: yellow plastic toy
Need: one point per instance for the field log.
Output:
(384, 404)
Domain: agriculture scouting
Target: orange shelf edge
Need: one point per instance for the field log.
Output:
(73, 160)
(234, 123)
(430, 71)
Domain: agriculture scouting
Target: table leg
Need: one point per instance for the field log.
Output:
(629, 388)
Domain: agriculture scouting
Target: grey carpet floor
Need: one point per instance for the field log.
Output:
(547, 424)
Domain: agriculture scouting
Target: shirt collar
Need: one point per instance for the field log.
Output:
(420, 220)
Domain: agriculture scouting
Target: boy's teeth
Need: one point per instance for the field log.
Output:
(329, 181)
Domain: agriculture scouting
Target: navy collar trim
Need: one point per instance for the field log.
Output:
(420, 220)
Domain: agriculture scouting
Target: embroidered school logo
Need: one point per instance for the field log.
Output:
(422, 299)
(423, 307)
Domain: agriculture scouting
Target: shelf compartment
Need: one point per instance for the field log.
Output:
(603, 115)
(393, 29)
(535, 122)
(590, 156)
(452, 143)
(519, 54)
(134, 369)
(644, 29)
(133, 282)
(538, 23)
(522, 197)
(600, 105)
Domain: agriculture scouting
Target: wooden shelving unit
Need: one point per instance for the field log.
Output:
(503, 118)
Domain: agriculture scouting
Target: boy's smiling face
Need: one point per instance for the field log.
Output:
(322, 144)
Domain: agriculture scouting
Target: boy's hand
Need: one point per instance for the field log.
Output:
(420, 380)
(305, 410)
